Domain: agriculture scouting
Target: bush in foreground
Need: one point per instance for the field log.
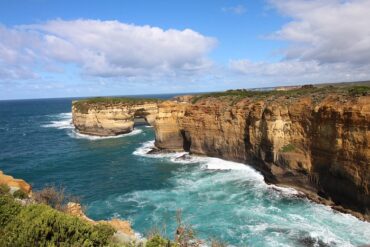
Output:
(40, 225)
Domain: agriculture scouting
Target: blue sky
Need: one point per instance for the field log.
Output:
(86, 48)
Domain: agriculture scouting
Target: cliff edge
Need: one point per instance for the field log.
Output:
(314, 139)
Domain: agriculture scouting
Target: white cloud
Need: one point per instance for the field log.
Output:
(295, 71)
(327, 40)
(104, 48)
(238, 9)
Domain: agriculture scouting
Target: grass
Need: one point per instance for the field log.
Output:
(236, 95)
(83, 105)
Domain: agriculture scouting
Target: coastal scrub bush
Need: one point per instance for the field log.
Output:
(54, 197)
(20, 194)
(158, 241)
(288, 148)
(4, 189)
(8, 210)
(359, 90)
(84, 105)
(40, 225)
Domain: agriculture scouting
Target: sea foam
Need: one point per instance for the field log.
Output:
(75, 134)
(60, 121)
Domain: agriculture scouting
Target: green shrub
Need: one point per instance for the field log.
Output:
(158, 241)
(288, 148)
(4, 189)
(40, 225)
(9, 209)
(358, 90)
(20, 194)
(84, 105)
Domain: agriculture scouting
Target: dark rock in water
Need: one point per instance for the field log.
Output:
(312, 242)
(159, 151)
(184, 157)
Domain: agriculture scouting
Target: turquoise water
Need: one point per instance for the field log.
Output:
(116, 178)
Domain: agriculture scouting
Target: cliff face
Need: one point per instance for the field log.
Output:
(109, 119)
(320, 144)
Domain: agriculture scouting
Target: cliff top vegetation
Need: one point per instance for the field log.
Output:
(83, 104)
(306, 90)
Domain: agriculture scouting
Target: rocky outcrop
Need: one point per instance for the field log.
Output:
(108, 119)
(122, 226)
(15, 184)
(317, 142)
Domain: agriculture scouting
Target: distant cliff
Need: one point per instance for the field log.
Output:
(111, 116)
(314, 139)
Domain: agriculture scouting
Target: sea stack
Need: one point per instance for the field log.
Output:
(111, 116)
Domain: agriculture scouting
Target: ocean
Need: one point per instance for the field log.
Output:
(115, 178)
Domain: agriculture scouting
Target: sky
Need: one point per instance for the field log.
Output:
(72, 48)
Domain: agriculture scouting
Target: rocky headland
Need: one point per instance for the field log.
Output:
(109, 117)
(316, 139)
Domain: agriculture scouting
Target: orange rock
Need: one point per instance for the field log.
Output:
(328, 135)
(122, 226)
(12, 182)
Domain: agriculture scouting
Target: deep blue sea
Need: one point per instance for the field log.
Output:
(117, 179)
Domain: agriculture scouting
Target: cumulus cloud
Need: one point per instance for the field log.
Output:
(326, 39)
(103, 48)
(238, 9)
(295, 71)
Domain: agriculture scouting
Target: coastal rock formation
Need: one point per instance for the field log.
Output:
(314, 139)
(15, 184)
(122, 226)
(104, 118)
(317, 142)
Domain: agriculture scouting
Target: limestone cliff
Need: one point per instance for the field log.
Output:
(104, 117)
(317, 140)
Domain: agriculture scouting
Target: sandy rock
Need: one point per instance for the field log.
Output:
(103, 119)
(15, 183)
(317, 144)
(123, 226)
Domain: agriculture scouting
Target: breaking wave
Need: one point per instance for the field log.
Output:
(75, 134)
(231, 201)
(60, 121)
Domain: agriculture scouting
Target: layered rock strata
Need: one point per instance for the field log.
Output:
(109, 119)
(316, 140)
(318, 143)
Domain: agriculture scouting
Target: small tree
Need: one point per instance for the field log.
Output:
(54, 197)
